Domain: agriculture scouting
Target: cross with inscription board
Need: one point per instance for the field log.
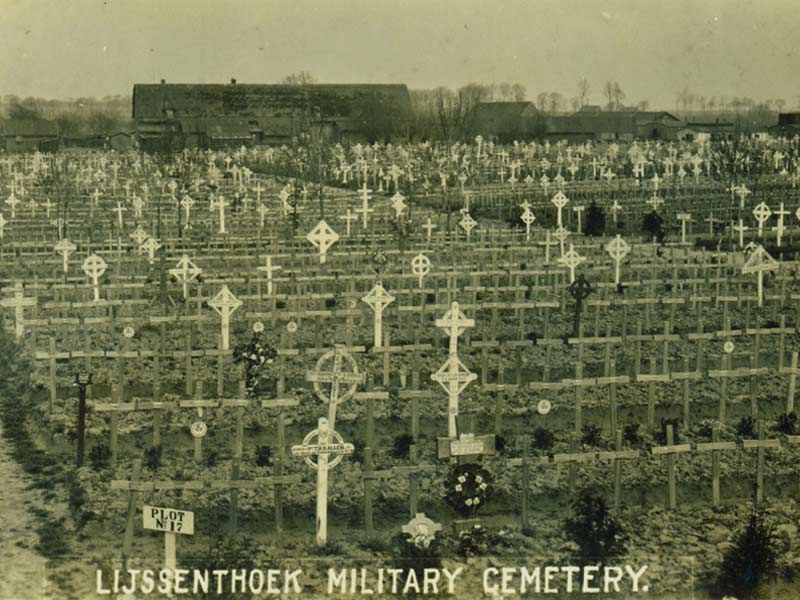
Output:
(225, 303)
(329, 444)
(453, 375)
(19, 303)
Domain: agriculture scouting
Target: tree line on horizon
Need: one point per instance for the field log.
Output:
(439, 113)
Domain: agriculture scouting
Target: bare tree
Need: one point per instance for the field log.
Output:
(618, 96)
(518, 92)
(542, 101)
(608, 92)
(555, 102)
(584, 89)
(299, 78)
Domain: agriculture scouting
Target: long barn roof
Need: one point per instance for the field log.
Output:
(250, 100)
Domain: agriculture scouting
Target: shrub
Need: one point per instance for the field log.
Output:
(787, 424)
(474, 541)
(227, 552)
(152, 457)
(263, 456)
(99, 456)
(598, 535)
(595, 220)
(592, 436)
(543, 439)
(653, 226)
(750, 561)
(52, 538)
(745, 428)
(401, 445)
(661, 434)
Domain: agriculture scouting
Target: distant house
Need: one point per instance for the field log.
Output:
(505, 121)
(214, 115)
(122, 141)
(788, 125)
(30, 135)
(610, 126)
(698, 131)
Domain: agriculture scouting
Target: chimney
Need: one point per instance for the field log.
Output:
(233, 81)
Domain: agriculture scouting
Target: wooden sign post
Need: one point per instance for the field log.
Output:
(329, 443)
(172, 522)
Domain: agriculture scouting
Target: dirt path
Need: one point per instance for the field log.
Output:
(23, 570)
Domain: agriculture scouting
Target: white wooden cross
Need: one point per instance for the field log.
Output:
(398, 204)
(578, 210)
(322, 237)
(3, 224)
(258, 189)
(758, 262)
(19, 303)
(328, 443)
(65, 248)
(343, 370)
(187, 202)
(348, 218)
(559, 201)
(429, 227)
(779, 228)
(615, 208)
(571, 260)
(378, 299)
(655, 201)
(225, 303)
(684, 218)
(467, 223)
(743, 192)
(365, 209)
(453, 375)
(12, 201)
(151, 245)
(420, 266)
(561, 234)
(94, 266)
(138, 207)
(269, 269)
(220, 204)
(119, 210)
(47, 206)
(617, 249)
(762, 214)
(185, 271)
(740, 228)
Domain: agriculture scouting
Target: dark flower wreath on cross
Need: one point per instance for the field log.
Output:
(257, 357)
(467, 488)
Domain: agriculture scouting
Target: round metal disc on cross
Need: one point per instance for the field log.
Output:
(334, 442)
(543, 407)
(199, 429)
(343, 370)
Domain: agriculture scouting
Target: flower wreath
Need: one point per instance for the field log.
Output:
(257, 357)
(467, 488)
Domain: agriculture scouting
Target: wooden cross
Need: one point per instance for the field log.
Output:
(225, 303)
(269, 269)
(337, 376)
(365, 209)
(19, 303)
(65, 248)
(715, 447)
(94, 266)
(349, 217)
(618, 249)
(615, 208)
(571, 260)
(420, 266)
(670, 450)
(329, 443)
(684, 218)
(185, 271)
(258, 189)
(378, 299)
(580, 290)
(220, 204)
(453, 375)
(187, 203)
(759, 262)
(429, 227)
(3, 224)
(151, 245)
(559, 201)
(13, 201)
(779, 228)
(762, 214)
(322, 237)
(761, 444)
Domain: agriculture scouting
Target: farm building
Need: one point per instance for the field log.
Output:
(215, 115)
(788, 125)
(612, 126)
(30, 135)
(506, 121)
(696, 131)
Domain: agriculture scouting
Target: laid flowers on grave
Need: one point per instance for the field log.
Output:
(467, 488)
(257, 357)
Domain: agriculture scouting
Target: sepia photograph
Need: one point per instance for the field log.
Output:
(349, 299)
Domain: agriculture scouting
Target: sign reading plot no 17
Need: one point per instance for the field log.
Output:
(169, 520)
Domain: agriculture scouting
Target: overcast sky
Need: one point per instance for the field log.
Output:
(654, 48)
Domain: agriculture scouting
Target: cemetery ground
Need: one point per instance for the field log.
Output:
(205, 351)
